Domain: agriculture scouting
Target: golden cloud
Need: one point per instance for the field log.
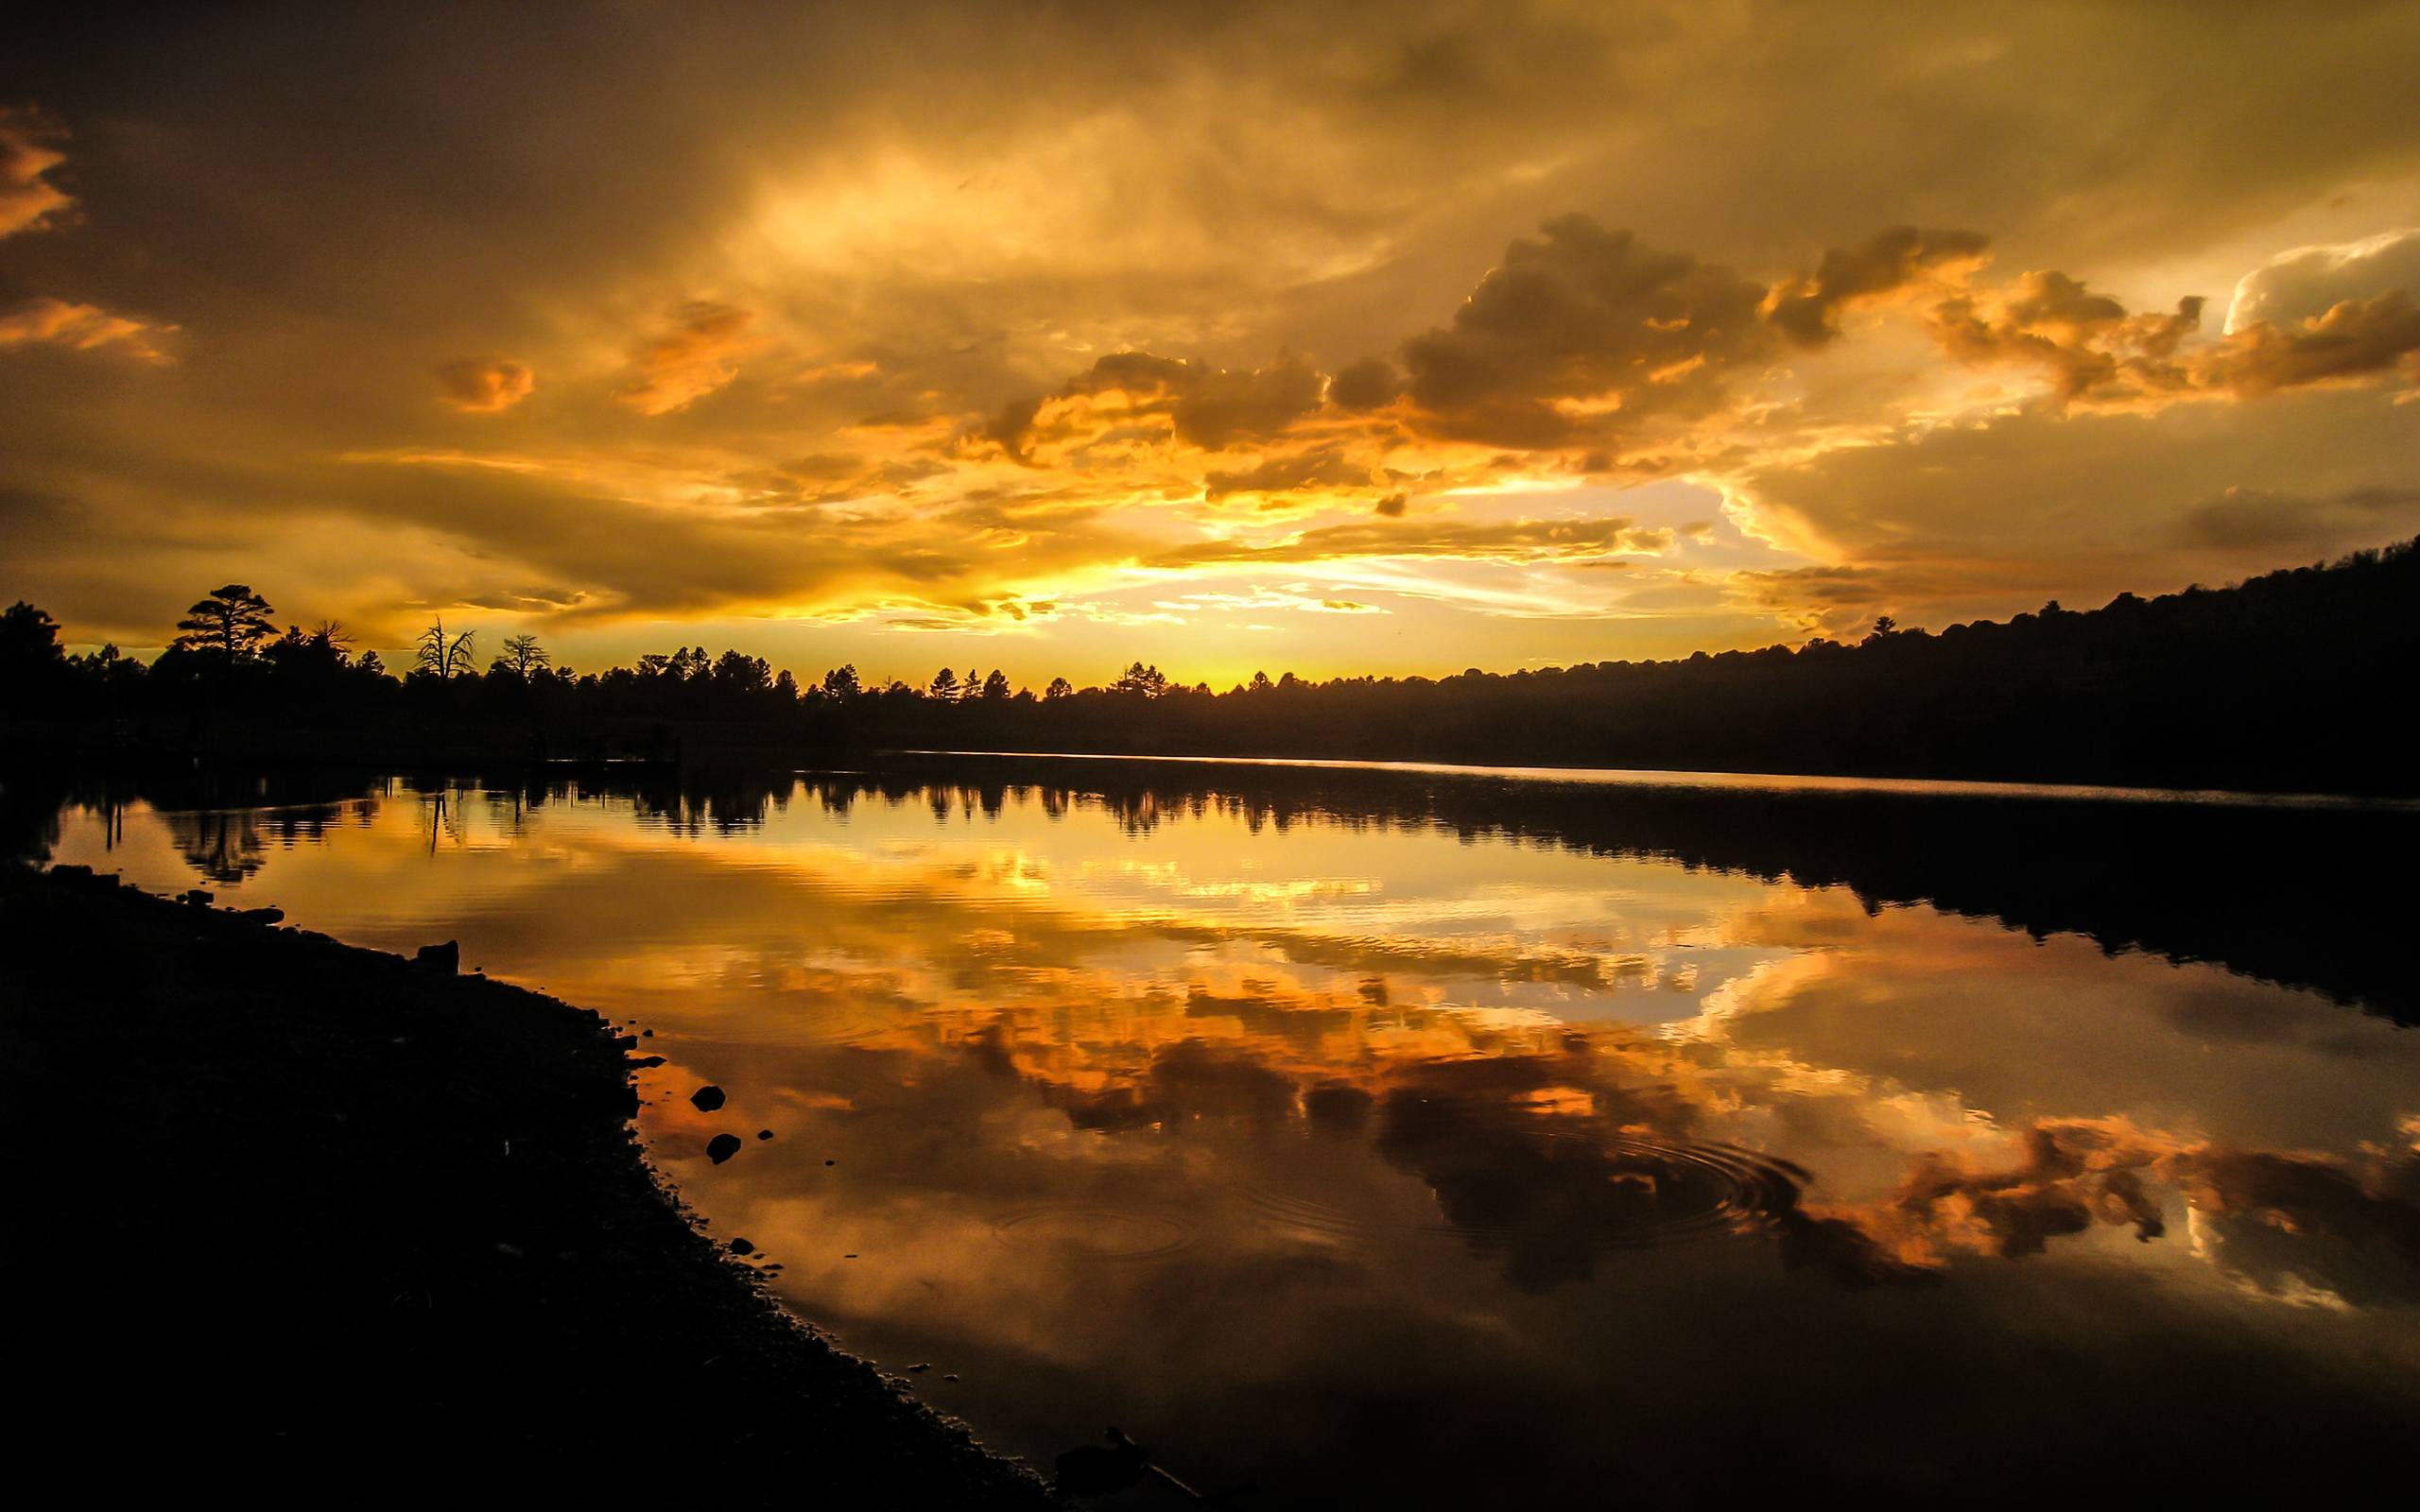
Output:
(2355, 340)
(2074, 1175)
(1518, 541)
(1326, 467)
(1137, 394)
(1057, 191)
(2310, 281)
(27, 198)
(2087, 343)
(2098, 353)
(80, 327)
(694, 357)
(1808, 307)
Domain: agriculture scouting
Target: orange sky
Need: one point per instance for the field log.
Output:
(1322, 338)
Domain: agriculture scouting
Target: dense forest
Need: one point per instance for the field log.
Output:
(2295, 681)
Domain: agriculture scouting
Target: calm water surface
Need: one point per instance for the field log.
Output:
(1453, 1147)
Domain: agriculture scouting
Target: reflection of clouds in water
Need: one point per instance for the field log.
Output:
(1529, 1139)
(2301, 1227)
(1172, 879)
(1356, 993)
(2294, 1227)
(1344, 1126)
(1549, 1149)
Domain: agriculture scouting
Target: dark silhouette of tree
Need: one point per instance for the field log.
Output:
(522, 657)
(308, 666)
(28, 638)
(231, 622)
(29, 635)
(441, 657)
(1141, 681)
(32, 663)
(741, 677)
(2284, 681)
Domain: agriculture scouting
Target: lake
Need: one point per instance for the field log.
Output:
(1405, 1137)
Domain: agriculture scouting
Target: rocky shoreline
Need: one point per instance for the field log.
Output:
(300, 1221)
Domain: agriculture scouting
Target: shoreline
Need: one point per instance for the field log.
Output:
(1795, 783)
(309, 1220)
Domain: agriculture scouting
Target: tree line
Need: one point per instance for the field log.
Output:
(2298, 678)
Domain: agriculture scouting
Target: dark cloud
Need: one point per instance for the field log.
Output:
(1208, 407)
(1365, 385)
(2354, 339)
(484, 387)
(1189, 1079)
(1794, 589)
(2242, 518)
(1009, 429)
(1314, 466)
(1808, 307)
(1225, 407)
(1583, 314)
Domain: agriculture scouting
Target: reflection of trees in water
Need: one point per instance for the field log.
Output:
(509, 809)
(1135, 810)
(717, 803)
(221, 822)
(2304, 898)
(440, 818)
(229, 845)
(2301, 896)
(224, 845)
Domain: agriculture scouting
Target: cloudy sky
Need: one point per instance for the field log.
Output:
(1318, 337)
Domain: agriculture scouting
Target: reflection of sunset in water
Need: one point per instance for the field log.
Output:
(1270, 1138)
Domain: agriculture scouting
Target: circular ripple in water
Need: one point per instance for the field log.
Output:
(1611, 1191)
(1096, 1233)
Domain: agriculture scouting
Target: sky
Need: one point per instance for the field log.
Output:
(1326, 337)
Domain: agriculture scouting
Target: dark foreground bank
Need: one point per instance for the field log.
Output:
(299, 1221)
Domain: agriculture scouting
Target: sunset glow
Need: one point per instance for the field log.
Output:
(1323, 339)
